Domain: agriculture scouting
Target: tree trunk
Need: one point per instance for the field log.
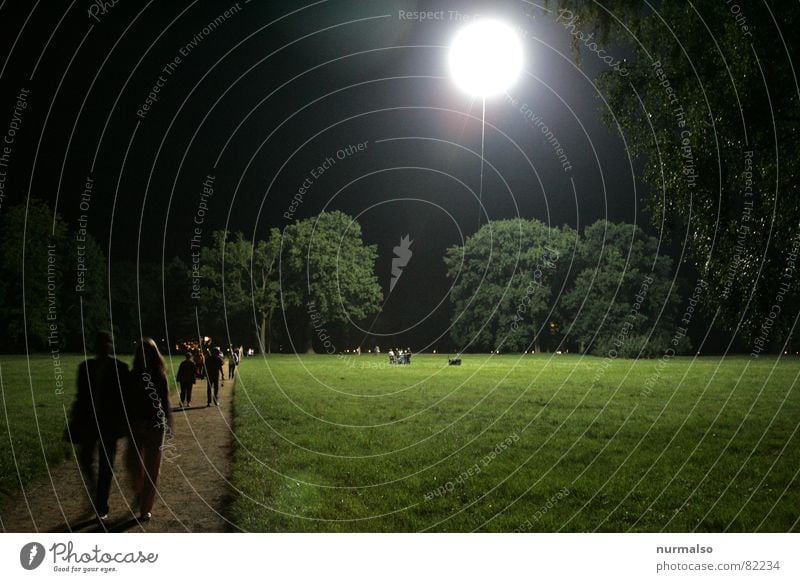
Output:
(269, 334)
(269, 331)
(308, 339)
(263, 334)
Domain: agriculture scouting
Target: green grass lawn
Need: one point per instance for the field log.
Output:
(32, 421)
(500, 444)
(326, 444)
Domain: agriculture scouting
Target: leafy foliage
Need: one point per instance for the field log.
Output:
(321, 260)
(324, 263)
(45, 303)
(505, 276)
(710, 105)
(521, 285)
(240, 284)
(622, 297)
(324, 260)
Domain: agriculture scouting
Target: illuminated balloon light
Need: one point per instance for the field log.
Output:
(485, 58)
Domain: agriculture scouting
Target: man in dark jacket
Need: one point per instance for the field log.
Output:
(98, 417)
(185, 378)
(233, 361)
(214, 365)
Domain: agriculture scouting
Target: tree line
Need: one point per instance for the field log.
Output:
(517, 286)
(522, 286)
(57, 286)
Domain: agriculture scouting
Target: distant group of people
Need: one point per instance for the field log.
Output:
(399, 356)
(116, 403)
(208, 366)
(206, 363)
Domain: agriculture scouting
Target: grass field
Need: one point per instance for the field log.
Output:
(32, 418)
(499, 444)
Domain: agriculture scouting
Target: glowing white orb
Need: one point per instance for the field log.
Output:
(485, 57)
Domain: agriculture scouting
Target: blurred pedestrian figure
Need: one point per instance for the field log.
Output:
(150, 421)
(199, 364)
(214, 365)
(185, 379)
(233, 362)
(98, 418)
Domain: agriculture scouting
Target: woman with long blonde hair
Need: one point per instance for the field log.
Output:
(150, 417)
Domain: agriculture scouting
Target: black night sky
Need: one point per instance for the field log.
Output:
(276, 88)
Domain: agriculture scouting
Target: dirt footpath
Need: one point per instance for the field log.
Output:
(193, 487)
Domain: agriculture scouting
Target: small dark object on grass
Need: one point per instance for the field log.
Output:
(454, 361)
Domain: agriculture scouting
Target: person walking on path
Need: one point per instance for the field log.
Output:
(98, 418)
(199, 363)
(185, 379)
(233, 362)
(214, 371)
(150, 421)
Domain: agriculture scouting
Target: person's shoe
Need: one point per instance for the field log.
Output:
(207, 405)
(216, 402)
(145, 517)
